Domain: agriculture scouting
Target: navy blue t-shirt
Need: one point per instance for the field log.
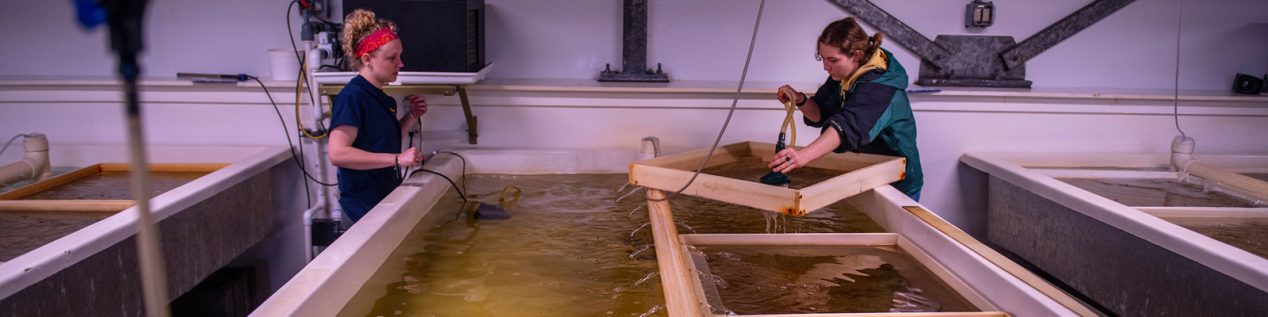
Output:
(373, 113)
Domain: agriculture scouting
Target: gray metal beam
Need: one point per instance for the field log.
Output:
(1057, 32)
(634, 48)
(895, 30)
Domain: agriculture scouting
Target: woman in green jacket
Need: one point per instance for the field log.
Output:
(861, 107)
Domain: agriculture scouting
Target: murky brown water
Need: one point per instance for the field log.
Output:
(114, 185)
(1250, 234)
(803, 280)
(752, 169)
(23, 231)
(569, 250)
(1152, 192)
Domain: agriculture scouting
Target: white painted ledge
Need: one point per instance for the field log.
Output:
(707, 87)
(693, 95)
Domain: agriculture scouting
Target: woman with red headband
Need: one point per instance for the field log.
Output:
(365, 140)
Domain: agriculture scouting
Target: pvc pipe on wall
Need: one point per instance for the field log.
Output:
(34, 165)
(308, 229)
(649, 148)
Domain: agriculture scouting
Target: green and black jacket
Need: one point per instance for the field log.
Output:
(873, 115)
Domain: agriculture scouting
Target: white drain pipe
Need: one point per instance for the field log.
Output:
(649, 148)
(308, 229)
(1182, 161)
(34, 165)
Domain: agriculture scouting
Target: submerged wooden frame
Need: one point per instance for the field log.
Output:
(850, 240)
(684, 292)
(862, 173)
(9, 201)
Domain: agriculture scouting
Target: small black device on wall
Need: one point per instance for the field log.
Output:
(979, 14)
(1248, 85)
(438, 35)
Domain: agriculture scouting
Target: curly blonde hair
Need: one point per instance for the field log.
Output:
(356, 26)
(847, 35)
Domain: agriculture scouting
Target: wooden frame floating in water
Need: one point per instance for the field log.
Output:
(860, 173)
(20, 199)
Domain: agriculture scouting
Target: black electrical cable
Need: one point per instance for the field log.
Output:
(419, 120)
(461, 193)
(1176, 98)
(734, 101)
(464, 160)
(291, 33)
(298, 59)
(464, 168)
(401, 175)
(286, 130)
(299, 136)
(451, 183)
(301, 62)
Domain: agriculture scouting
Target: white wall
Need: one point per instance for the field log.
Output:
(694, 40)
(224, 36)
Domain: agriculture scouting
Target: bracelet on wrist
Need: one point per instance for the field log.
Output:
(803, 98)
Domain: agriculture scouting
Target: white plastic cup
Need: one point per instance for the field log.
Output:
(283, 65)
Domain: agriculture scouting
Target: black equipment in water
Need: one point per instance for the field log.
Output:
(485, 211)
(777, 178)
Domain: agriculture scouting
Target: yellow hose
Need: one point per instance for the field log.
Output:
(505, 203)
(303, 75)
(788, 122)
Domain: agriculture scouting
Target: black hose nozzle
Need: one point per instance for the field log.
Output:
(777, 178)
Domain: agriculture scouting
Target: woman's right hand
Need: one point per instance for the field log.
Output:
(409, 158)
(787, 94)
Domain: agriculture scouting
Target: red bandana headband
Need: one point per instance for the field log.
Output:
(374, 41)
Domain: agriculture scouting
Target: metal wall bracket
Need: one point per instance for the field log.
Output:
(977, 61)
(330, 91)
(634, 49)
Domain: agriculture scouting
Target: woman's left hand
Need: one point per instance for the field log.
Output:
(788, 160)
(417, 105)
